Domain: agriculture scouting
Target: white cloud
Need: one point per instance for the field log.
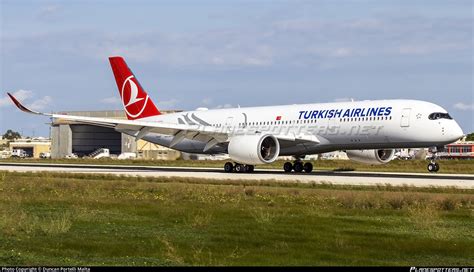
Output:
(41, 103)
(20, 95)
(341, 52)
(49, 13)
(300, 25)
(256, 61)
(113, 100)
(50, 9)
(413, 50)
(427, 48)
(25, 95)
(167, 104)
(207, 101)
(463, 106)
(225, 106)
(343, 99)
(365, 24)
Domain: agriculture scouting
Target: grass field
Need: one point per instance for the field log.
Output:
(447, 166)
(80, 219)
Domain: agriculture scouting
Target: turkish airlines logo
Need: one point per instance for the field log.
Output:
(134, 105)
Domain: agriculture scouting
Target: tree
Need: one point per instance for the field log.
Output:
(11, 135)
(470, 137)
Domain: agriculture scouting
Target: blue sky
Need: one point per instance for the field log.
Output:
(190, 54)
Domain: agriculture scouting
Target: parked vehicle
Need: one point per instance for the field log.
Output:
(127, 155)
(5, 154)
(45, 155)
(19, 153)
(71, 156)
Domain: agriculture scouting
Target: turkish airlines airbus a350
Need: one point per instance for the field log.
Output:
(368, 131)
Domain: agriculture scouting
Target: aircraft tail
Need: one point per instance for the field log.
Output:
(136, 102)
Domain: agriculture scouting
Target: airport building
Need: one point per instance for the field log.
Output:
(458, 150)
(68, 137)
(149, 150)
(32, 147)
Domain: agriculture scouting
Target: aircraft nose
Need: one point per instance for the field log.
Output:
(456, 131)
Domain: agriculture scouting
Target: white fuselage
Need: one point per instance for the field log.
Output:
(336, 126)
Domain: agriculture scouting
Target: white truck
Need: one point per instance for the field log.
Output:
(45, 155)
(19, 153)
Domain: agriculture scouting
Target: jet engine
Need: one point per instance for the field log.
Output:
(254, 149)
(371, 156)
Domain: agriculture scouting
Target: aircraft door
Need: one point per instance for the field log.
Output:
(229, 122)
(405, 120)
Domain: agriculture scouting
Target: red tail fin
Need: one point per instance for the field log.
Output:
(135, 100)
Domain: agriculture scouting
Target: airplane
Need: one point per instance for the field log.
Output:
(368, 131)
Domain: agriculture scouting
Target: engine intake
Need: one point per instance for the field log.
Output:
(254, 149)
(371, 156)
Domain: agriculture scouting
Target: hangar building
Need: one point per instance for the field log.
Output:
(68, 137)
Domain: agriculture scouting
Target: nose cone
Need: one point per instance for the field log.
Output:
(455, 132)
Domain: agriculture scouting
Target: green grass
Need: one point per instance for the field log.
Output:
(447, 166)
(85, 219)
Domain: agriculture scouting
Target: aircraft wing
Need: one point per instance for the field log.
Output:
(142, 127)
(208, 134)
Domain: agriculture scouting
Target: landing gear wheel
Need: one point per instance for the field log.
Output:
(228, 167)
(287, 167)
(433, 167)
(249, 168)
(298, 167)
(239, 168)
(308, 167)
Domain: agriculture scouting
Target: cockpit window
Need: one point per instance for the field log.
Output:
(439, 115)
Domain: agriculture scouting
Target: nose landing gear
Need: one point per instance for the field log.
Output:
(433, 166)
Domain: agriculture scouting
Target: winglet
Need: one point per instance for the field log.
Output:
(20, 106)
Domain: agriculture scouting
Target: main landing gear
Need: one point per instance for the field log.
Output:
(298, 167)
(238, 168)
(433, 166)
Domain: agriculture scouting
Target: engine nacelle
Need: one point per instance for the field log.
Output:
(254, 149)
(371, 156)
